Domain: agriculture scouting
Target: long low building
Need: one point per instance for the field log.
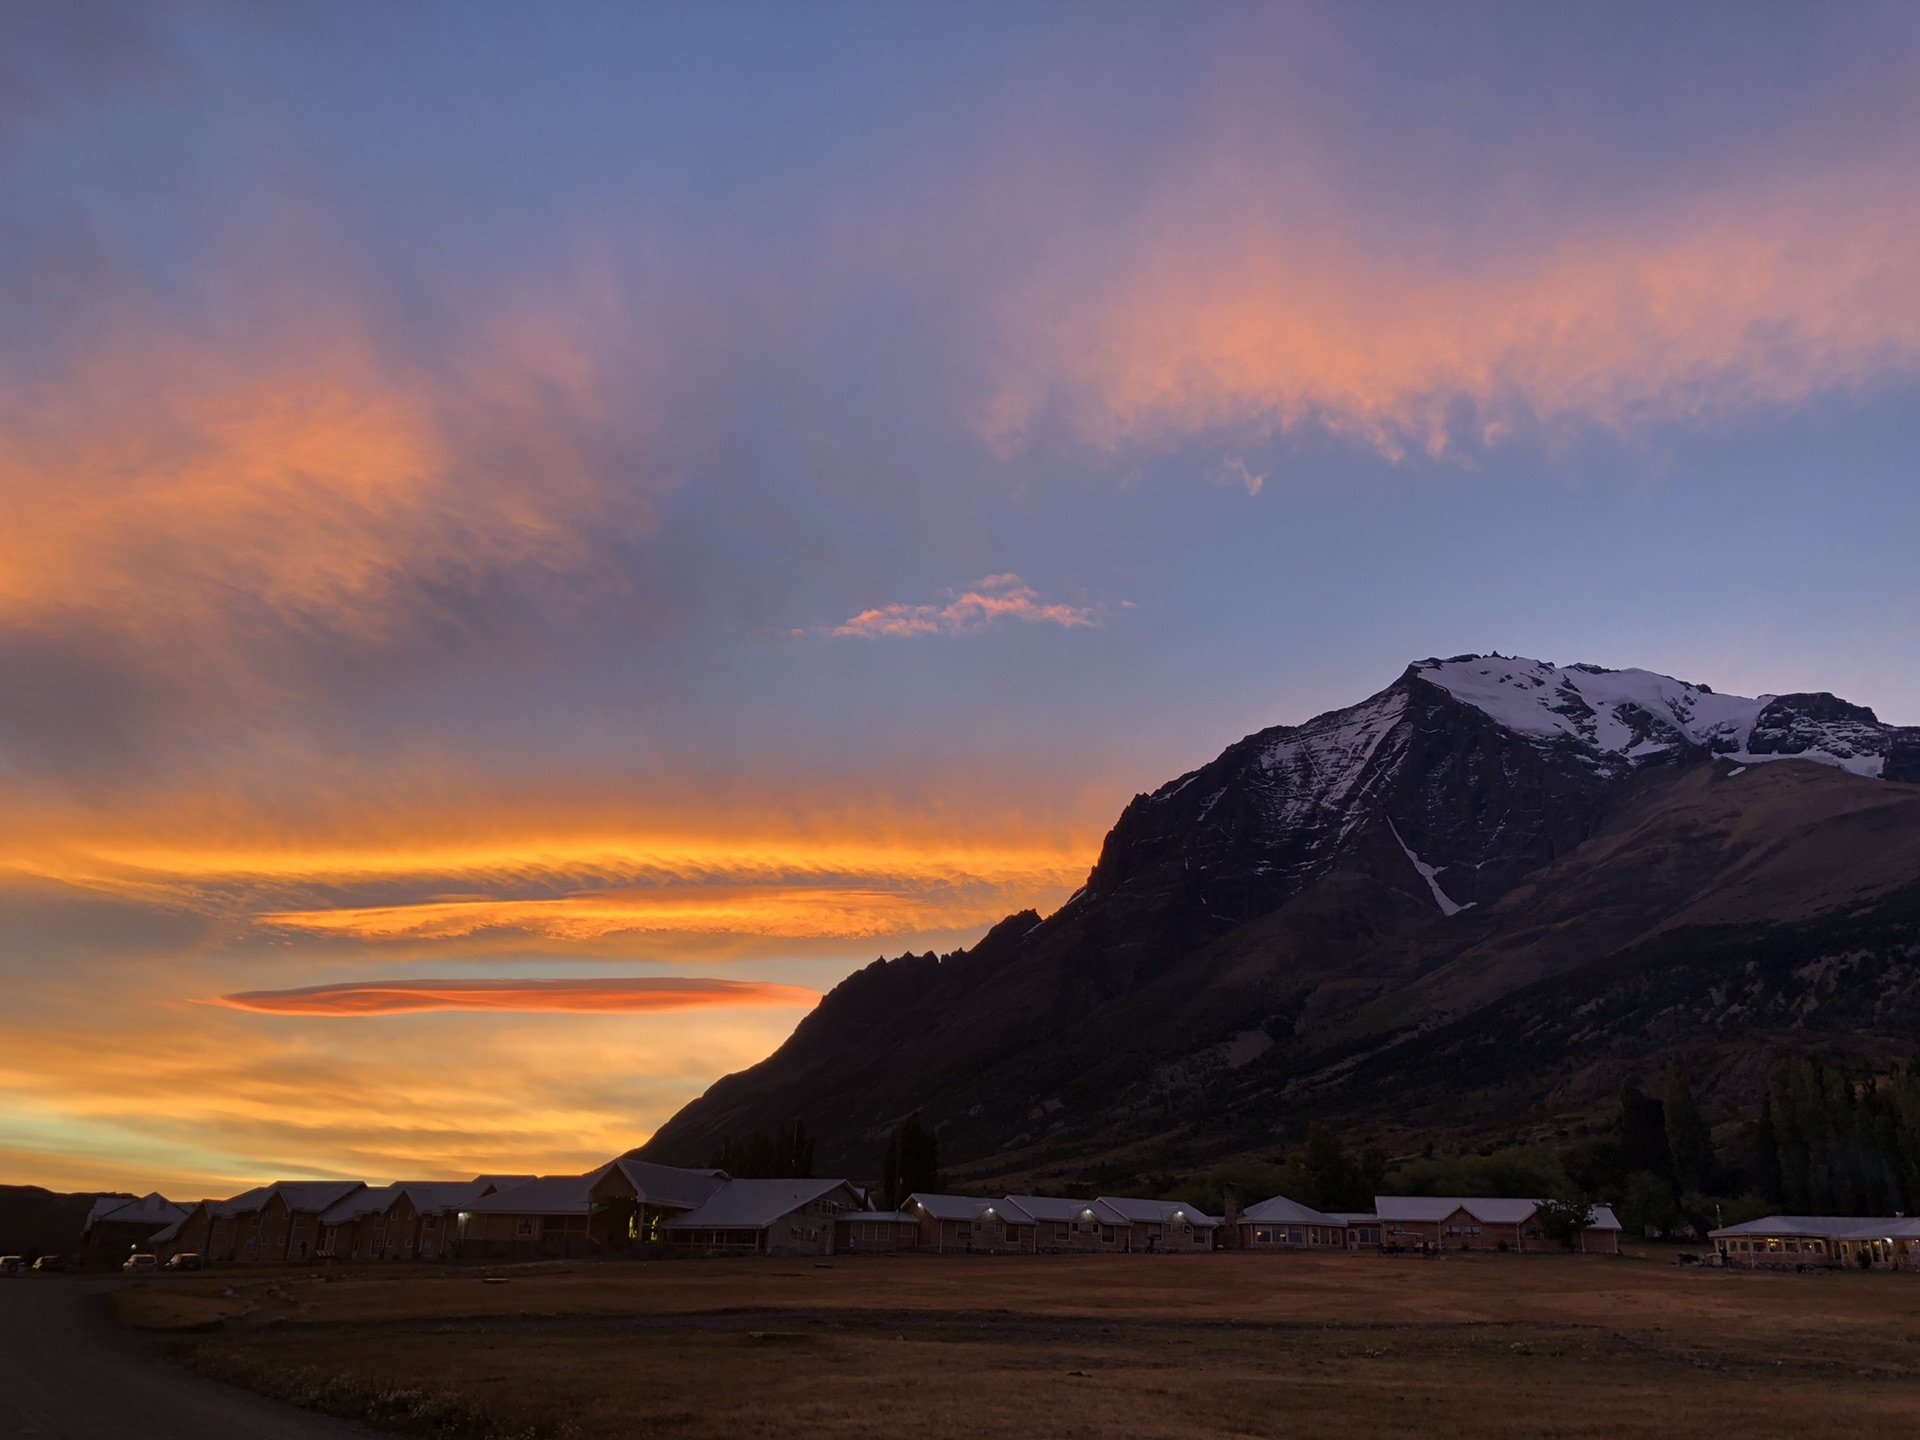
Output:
(1884, 1242)
(1418, 1222)
(766, 1217)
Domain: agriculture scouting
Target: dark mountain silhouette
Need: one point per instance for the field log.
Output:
(1296, 929)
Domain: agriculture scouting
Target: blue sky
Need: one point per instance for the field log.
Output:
(514, 492)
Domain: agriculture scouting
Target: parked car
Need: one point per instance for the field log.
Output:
(48, 1263)
(185, 1260)
(141, 1265)
(12, 1265)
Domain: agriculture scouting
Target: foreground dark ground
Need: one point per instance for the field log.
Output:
(66, 1373)
(1223, 1345)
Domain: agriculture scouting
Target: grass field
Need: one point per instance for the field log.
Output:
(1223, 1345)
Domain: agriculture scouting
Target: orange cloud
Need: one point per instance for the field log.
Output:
(165, 483)
(797, 912)
(1742, 300)
(523, 997)
(998, 597)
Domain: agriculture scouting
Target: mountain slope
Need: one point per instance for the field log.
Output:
(1319, 890)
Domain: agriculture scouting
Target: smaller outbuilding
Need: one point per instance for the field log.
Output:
(1283, 1224)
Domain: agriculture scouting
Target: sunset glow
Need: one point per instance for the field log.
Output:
(531, 550)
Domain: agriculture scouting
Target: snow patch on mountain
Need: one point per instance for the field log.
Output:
(1431, 874)
(1317, 766)
(1616, 719)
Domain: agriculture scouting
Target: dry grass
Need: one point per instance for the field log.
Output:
(1222, 1345)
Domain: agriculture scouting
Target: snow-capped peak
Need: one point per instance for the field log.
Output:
(1639, 715)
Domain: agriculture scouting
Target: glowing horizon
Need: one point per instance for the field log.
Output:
(729, 497)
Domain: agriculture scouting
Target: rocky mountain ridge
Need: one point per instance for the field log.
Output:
(1318, 890)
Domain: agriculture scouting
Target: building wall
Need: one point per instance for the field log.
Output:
(1255, 1235)
(1078, 1236)
(1153, 1238)
(502, 1236)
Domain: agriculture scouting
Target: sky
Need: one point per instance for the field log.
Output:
(536, 538)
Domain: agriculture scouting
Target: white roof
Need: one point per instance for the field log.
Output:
(315, 1194)
(1282, 1211)
(1431, 1209)
(1828, 1227)
(1487, 1209)
(244, 1203)
(754, 1204)
(154, 1209)
(967, 1207)
(542, 1195)
(1060, 1210)
(669, 1186)
(426, 1197)
(1157, 1212)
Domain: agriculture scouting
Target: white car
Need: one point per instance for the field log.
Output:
(141, 1265)
(12, 1265)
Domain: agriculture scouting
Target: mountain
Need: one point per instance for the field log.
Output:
(1279, 934)
(36, 1222)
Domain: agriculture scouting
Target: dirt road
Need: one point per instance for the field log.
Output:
(66, 1373)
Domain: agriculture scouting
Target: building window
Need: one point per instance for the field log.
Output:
(524, 1226)
(1062, 1232)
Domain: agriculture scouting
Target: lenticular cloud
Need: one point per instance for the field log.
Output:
(998, 597)
(575, 997)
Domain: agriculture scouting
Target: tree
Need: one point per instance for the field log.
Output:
(912, 1164)
(1689, 1142)
(1327, 1176)
(1563, 1221)
(785, 1155)
(1643, 1133)
(1649, 1205)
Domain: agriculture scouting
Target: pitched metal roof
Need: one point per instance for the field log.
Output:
(1158, 1212)
(154, 1209)
(1828, 1227)
(314, 1194)
(669, 1186)
(244, 1203)
(967, 1207)
(754, 1204)
(426, 1197)
(1061, 1211)
(543, 1195)
(1432, 1209)
(1282, 1211)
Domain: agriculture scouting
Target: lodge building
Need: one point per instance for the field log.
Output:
(1826, 1241)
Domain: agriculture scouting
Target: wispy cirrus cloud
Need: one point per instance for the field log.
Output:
(642, 996)
(1753, 299)
(993, 599)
